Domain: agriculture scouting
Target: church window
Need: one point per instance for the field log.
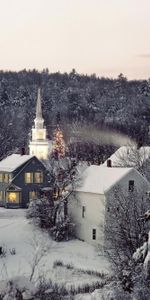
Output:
(83, 211)
(38, 177)
(28, 177)
(131, 185)
(94, 234)
(40, 135)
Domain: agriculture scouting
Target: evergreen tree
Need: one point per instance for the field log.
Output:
(58, 143)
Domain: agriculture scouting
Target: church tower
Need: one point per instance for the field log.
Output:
(39, 145)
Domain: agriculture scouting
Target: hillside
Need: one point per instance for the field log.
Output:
(116, 104)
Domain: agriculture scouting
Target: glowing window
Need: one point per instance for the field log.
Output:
(1, 195)
(6, 177)
(40, 135)
(28, 177)
(38, 177)
(13, 197)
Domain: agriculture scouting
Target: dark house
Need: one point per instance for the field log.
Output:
(22, 178)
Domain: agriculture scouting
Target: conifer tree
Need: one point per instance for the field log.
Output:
(58, 143)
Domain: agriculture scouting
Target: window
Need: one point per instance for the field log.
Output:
(94, 234)
(131, 185)
(13, 197)
(28, 177)
(6, 177)
(1, 177)
(33, 195)
(40, 135)
(1, 195)
(83, 211)
(38, 177)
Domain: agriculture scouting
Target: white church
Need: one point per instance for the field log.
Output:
(39, 145)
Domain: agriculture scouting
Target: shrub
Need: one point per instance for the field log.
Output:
(63, 230)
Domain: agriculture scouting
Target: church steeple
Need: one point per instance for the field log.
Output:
(38, 105)
(39, 145)
(39, 121)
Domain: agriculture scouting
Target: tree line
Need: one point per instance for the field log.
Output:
(68, 99)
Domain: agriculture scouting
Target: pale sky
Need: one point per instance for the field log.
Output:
(106, 37)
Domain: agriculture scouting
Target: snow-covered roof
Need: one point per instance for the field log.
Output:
(129, 156)
(99, 179)
(12, 162)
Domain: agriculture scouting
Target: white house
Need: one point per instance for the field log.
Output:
(87, 206)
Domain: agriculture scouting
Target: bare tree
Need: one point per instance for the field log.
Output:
(132, 156)
(123, 226)
(52, 212)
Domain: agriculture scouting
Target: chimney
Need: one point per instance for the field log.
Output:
(23, 152)
(109, 163)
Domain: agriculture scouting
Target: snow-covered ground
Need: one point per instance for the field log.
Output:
(31, 243)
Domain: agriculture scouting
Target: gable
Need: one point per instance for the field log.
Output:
(32, 165)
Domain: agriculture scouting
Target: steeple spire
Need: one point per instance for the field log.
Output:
(39, 145)
(39, 121)
(38, 105)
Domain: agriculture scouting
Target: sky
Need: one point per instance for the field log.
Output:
(105, 37)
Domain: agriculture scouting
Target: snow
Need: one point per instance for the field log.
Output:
(32, 244)
(99, 179)
(12, 162)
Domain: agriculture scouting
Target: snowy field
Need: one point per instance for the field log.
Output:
(34, 247)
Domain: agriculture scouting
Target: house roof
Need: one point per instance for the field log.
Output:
(99, 179)
(129, 156)
(12, 162)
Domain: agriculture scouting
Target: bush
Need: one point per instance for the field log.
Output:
(63, 230)
(42, 212)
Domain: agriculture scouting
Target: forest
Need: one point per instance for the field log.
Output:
(73, 101)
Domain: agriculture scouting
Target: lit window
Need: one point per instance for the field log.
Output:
(94, 234)
(1, 195)
(28, 177)
(83, 211)
(33, 195)
(13, 197)
(40, 135)
(131, 185)
(6, 177)
(38, 177)
(1, 177)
